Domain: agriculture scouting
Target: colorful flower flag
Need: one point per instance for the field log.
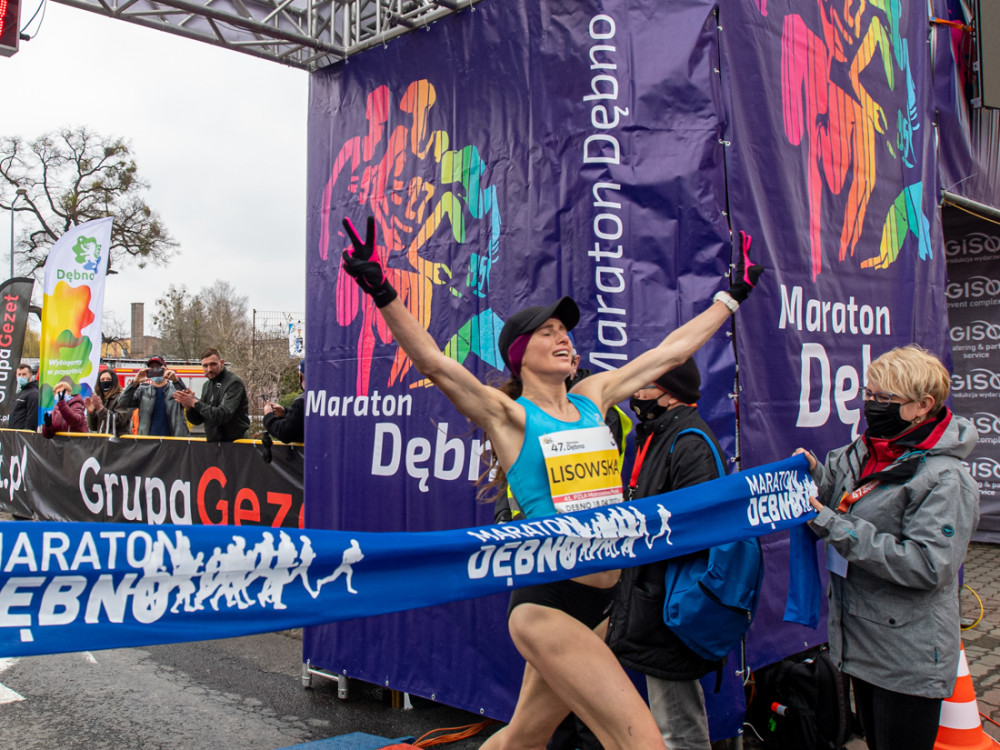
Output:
(72, 309)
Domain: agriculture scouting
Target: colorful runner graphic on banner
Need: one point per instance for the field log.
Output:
(16, 294)
(836, 102)
(371, 174)
(73, 587)
(72, 308)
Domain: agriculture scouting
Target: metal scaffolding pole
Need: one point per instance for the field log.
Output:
(306, 34)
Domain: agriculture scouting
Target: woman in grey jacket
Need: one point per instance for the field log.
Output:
(897, 509)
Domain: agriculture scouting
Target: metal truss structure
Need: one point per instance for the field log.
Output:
(307, 34)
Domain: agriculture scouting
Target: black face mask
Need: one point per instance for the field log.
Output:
(104, 386)
(646, 410)
(884, 420)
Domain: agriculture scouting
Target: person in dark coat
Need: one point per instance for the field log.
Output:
(223, 407)
(636, 632)
(24, 415)
(288, 426)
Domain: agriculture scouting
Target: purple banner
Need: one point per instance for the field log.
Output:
(605, 149)
(509, 156)
(973, 251)
(833, 168)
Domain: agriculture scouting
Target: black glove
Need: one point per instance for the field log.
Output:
(47, 419)
(367, 272)
(747, 272)
(264, 449)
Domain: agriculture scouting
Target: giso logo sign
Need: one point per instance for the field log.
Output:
(986, 424)
(974, 287)
(971, 245)
(977, 330)
(984, 469)
(978, 380)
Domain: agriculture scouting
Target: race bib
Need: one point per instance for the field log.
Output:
(582, 467)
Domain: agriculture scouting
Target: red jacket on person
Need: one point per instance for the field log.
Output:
(67, 416)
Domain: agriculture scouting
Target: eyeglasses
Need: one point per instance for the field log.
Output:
(882, 397)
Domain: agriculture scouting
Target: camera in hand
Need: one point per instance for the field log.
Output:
(155, 372)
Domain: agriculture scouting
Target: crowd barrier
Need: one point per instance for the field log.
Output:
(135, 479)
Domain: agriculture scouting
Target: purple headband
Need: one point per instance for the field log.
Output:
(516, 353)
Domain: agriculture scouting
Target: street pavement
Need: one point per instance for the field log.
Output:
(982, 640)
(980, 607)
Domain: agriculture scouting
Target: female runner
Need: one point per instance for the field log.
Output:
(558, 628)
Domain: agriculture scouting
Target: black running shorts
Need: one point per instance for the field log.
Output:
(585, 603)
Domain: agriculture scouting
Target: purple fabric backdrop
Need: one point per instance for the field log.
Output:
(600, 149)
(833, 170)
(833, 165)
(510, 155)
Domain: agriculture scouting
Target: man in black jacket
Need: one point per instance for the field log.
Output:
(288, 426)
(223, 407)
(24, 415)
(636, 632)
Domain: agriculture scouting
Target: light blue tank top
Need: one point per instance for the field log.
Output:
(527, 476)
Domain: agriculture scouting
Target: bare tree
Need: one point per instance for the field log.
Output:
(216, 316)
(115, 336)
(70, 177)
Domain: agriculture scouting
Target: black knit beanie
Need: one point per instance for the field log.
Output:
(683, 382)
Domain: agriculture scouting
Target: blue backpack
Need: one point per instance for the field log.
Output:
(710, 603)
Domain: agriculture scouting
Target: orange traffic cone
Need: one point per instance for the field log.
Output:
(960, 727)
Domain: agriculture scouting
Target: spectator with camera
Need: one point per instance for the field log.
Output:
(68, 414)
(152, 392)
(223, 407)
(105, 413)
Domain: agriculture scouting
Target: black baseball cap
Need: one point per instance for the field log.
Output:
(530, 318)
(155, 358)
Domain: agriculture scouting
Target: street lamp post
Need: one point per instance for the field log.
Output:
(21, 192)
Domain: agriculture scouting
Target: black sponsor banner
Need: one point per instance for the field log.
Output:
(972, 247)
(15, 300)
(135, 480)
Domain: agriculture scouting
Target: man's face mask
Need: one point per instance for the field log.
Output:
(22, 381)
(646, 409)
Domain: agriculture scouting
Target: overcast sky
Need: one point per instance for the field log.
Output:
(219, 135)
